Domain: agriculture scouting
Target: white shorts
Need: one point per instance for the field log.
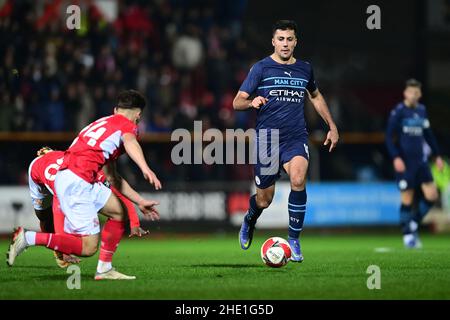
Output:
(41, 197)
(80, 201)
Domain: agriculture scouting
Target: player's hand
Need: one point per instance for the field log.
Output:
(399, 165)
(137, 232)
(439, 163)
(150, 176)
(258, 102)
(332, 139)
(147, 207)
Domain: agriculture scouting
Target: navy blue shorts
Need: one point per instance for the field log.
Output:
(414, 176)
(267, 170)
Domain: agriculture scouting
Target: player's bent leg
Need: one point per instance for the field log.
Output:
(22, 239)
(407, 223)
(264, 197)
(45, 219)
(90, 245)
(257, 203)
(114, 208)
(296, 168)
(430, 191)
(62, 260)
(111, 235)
(430, 196)
(424, 204)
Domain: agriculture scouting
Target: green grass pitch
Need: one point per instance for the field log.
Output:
(214, 267)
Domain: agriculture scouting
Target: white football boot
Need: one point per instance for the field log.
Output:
(112, 274)
(17, 246)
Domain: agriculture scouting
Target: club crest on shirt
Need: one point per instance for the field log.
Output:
(403, 184)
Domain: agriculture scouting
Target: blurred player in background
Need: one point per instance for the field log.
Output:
(409, 124)
(81, 196)
(276, 87)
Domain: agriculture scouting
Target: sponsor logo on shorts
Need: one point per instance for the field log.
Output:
(258, 182)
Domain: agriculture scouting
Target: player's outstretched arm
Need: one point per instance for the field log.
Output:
(242, 101)
(321, 107)
(135, 152)
(146, 206)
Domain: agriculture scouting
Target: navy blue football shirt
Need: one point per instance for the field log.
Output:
(412, 128)
(284, 85)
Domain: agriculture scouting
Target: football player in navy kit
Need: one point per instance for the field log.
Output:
(277, 87)
(409, 122)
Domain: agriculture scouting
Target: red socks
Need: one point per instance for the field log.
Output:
(70, 244)
(111, 235)
(64, 243)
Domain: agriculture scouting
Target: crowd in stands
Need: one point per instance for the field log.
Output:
(187, 57)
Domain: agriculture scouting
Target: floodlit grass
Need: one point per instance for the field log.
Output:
(216, 268)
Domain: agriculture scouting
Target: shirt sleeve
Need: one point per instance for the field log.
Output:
(429, 136)
(392, 128)
(253, 79)
(130, 127)
(311, 86)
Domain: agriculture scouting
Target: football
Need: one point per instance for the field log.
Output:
(275, 252)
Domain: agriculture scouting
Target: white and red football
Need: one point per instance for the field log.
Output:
(275, 252)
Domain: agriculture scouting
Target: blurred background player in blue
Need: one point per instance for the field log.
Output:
(409, 125)
(276, 87)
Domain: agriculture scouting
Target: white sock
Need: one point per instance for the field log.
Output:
(30, 238)
(103, 266)
(413, 226)
(408, 238)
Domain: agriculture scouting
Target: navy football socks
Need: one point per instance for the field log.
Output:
(422, 209)
(253, 211)
(406, 218)
(297, 210)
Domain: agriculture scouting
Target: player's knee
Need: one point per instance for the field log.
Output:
(263, 202)
(90, 246)
(407, 198)
(407, 202)
(119, 216)
(432, 196)
(298, 182)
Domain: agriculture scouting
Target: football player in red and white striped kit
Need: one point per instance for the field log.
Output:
(41, 177)
(82, 196)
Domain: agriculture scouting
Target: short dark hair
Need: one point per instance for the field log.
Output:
(413, 83)
(130, 99)
(285, 25)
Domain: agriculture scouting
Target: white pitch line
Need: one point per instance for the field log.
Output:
(382, 250)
